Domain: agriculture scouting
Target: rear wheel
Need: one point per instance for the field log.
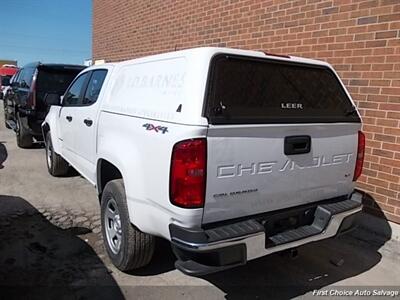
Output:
(56, 165)
(24, 138)
(126, 245)
(6, 124)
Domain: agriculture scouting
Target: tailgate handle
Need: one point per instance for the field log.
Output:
(297, 144)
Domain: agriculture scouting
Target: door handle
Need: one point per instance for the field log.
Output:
(88, 122)
(69, 118)
(299, 144)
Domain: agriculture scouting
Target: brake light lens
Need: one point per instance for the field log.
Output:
(32, 97)
(277, 55)
(188, 173)
(360, 155)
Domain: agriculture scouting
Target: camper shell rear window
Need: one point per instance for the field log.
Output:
(248, 90)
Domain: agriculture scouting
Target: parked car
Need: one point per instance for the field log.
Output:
(6, 93)
(229, 154)
(6, 72)
(6, 85)
(25, 109)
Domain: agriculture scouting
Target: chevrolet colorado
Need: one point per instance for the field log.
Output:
(229, 154)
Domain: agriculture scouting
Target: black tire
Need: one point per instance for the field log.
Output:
(136, 248)
(6, 125)
(24, 139)
(56, 165)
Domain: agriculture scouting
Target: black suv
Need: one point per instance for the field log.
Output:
(24, 105)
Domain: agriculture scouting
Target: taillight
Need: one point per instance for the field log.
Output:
(31, 101)
(360, 155)
(188, 173)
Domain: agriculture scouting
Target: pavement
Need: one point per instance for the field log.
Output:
(51, 247)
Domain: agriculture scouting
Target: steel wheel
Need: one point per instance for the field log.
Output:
(127, 247)
(112, 221)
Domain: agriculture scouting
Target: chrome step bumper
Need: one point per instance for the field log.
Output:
(234, 244)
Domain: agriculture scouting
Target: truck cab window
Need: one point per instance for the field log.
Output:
(73, 95)
(94, 87)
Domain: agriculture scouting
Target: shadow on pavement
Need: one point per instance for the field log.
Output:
(319, 264)
(41, 261)
(162, 262)
(277, 276)
(3, 154)
(37, 145)
(72, 173)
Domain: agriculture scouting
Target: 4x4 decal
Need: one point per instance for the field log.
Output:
(158, 128)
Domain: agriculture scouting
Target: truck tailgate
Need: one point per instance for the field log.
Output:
(248, 171)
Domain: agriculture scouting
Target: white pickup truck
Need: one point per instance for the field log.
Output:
(229, 154)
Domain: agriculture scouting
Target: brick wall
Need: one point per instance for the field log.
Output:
(360, 38)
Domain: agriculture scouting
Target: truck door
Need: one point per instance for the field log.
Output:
(86, 124)
(71, 102)
(20, 92)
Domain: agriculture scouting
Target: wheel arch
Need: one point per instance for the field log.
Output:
(45, 130)
(50, 124)
(106, 171)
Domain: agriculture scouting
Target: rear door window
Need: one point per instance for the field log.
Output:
(25, 79)
(73, 97)
(94, 86)
(244, 90)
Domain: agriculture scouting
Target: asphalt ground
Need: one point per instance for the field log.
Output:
(51, 247)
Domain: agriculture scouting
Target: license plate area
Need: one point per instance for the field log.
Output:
(284, 221)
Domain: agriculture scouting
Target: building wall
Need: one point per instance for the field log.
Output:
(360, 38)
(7, 62)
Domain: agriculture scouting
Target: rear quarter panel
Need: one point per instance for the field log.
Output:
(52, 121)
(143, 157)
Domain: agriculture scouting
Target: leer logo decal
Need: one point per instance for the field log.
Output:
(158, 128)
(294, 105)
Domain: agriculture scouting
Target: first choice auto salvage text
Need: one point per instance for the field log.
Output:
(357, 292)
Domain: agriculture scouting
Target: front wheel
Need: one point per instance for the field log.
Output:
(127, 247)
(6, 124)
(56, 165)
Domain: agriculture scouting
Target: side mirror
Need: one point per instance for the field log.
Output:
(52, 99)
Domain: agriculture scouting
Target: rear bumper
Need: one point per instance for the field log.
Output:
(32, 120)
(201, 252)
